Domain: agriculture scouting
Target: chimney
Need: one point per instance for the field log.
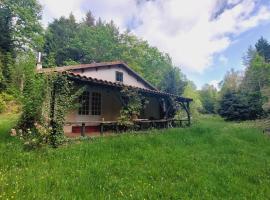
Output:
(39, 64)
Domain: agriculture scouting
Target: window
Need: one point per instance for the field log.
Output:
(119, 76)
(84, 103)
(96, 103)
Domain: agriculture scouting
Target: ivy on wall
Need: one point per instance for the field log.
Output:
(46, 100)
(133, 103)
(63, 95)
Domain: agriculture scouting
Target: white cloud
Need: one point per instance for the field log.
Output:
(57, 8)
(215, 83)
(185, 29)
(120, 11)
(223, 60)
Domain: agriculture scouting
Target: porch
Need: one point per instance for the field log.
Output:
(157, 114)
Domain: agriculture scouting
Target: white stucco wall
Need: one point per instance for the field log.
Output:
(109, 74)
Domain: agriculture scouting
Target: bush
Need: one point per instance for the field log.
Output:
(240, 106)
(35, 137)
(5, 100)
(3, 104)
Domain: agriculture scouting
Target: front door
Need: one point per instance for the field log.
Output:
(95, 106)
(90, 107)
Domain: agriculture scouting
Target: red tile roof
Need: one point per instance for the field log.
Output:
(120, 85)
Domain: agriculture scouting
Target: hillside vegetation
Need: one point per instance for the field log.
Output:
(212, 159)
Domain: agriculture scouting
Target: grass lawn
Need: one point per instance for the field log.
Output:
(211, 160)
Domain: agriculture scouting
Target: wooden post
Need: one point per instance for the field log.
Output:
(188, 113)
(83, 130)
(52, 116)
(117, 128)
(101, 128)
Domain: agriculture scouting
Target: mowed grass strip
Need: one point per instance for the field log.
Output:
(212, 159)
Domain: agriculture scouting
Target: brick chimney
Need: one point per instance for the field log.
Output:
(39, 63)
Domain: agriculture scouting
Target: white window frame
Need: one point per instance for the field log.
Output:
(96, 103)
(84, 101)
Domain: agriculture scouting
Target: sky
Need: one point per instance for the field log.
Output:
(205, 38)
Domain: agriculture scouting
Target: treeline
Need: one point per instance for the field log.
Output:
(243, 95)
(66, 42)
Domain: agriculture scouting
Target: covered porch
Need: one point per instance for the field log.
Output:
(158, 113)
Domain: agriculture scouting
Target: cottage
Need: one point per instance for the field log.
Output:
(101, 102)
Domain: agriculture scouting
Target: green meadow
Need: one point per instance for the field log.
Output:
(212, 159)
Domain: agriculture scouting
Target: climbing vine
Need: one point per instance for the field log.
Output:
(63, 95)
(133, 103)
(46, 100)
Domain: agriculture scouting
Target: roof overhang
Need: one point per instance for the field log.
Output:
(89, 80)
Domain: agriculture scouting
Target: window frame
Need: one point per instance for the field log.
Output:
(84, 103)
(96, 103)
(121, 74)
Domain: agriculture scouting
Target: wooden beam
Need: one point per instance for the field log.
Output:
(83, 130)
(188, 113)
(187, 109)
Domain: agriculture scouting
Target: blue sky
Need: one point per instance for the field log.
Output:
(233, 55)
(205, 38)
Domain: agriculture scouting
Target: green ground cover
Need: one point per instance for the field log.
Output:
(212, 159)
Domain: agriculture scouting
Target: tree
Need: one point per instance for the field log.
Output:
(241, 98)
(20, 30)
(23, 23)
(263, 48)
(89, 19)
(249, 56)
(58, 37)
(256, 81)
(6, 44)
(240, 106)
(209, 98)
(266, 97)
(1, 76)
(173, 82)
(231, 81)
(196, 105)
(144, 59)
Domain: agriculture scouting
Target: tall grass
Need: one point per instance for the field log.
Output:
(212, 159)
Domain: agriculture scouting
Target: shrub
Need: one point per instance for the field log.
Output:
(46, 99)
(5, 100)
(240, 106)
(36, 137)
(2, 104)
(134, 103)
